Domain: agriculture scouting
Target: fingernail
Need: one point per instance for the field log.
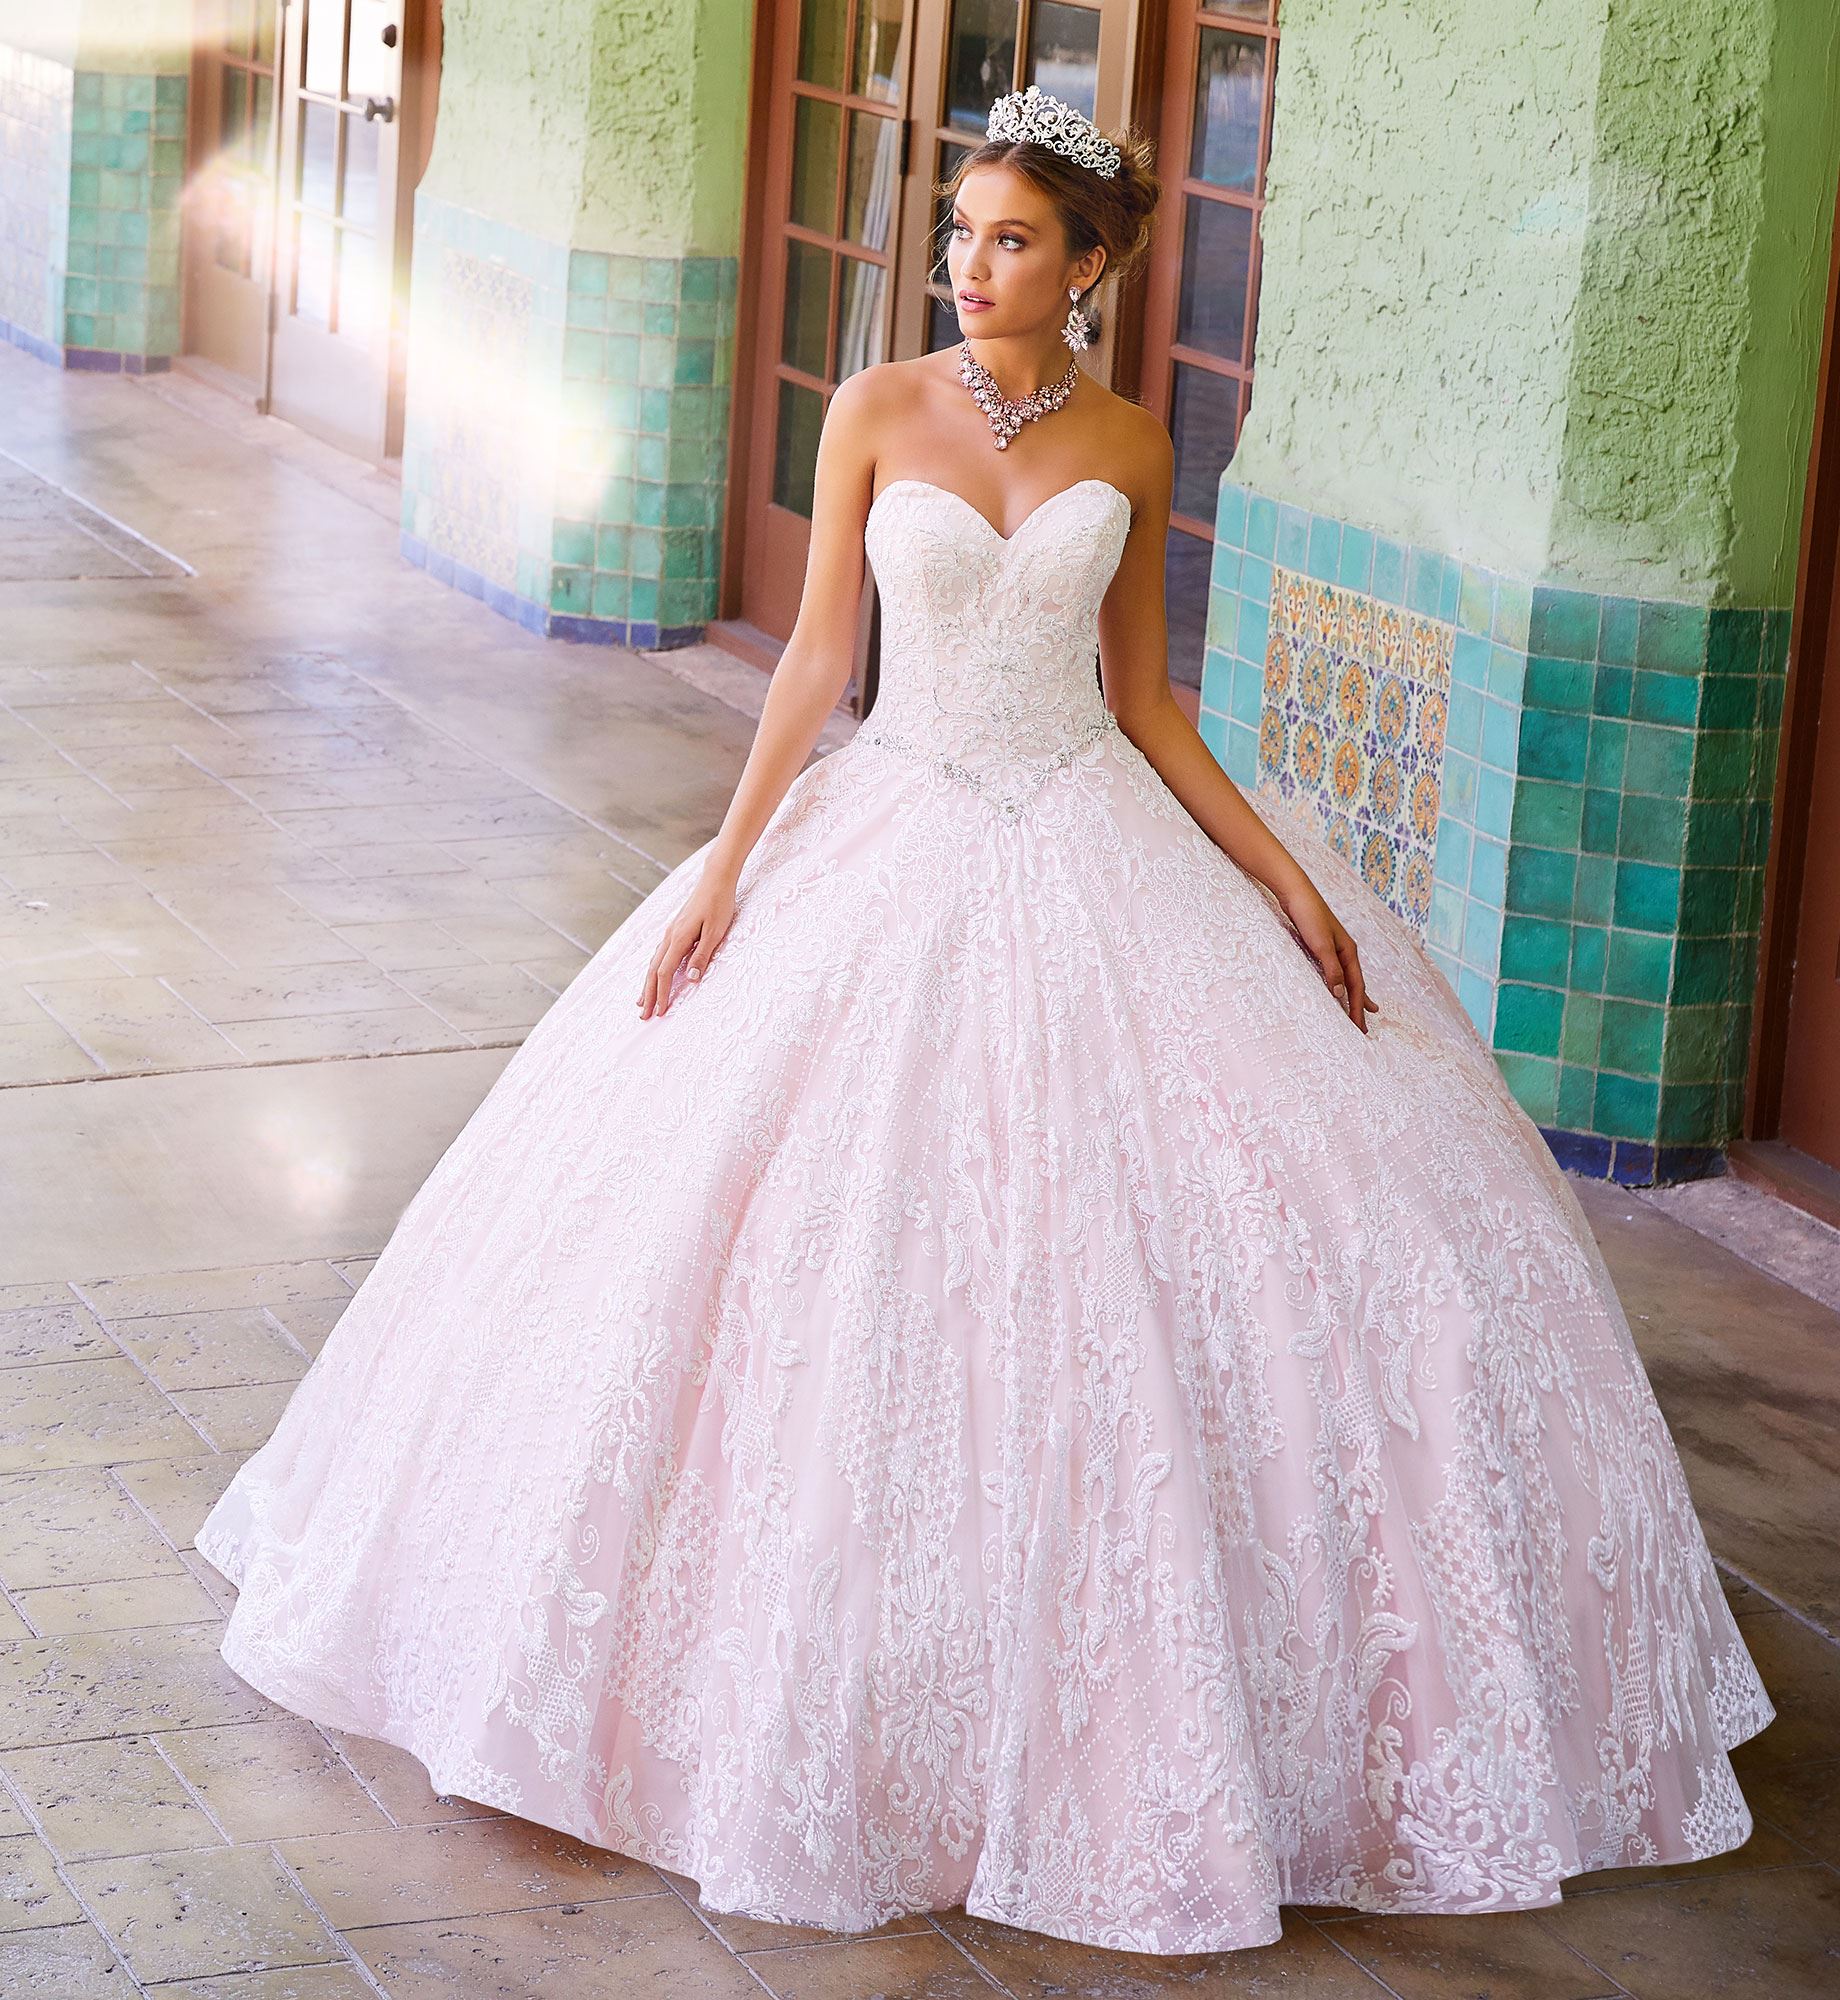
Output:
(694, 973)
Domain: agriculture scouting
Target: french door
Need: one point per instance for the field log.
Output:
(335, 277)
(1201, 309)
(860, 105)
(227, 253)
(311, 122)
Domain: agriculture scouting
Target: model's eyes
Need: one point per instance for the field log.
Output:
(1008, 236)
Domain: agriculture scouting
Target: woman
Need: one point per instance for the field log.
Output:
(967, 1358)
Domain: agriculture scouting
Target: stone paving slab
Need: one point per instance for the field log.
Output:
(166, 1830)
(271, 865)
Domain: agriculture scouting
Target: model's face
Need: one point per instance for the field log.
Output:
(1007, 256)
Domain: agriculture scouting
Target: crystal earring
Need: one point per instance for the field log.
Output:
(1077, 333)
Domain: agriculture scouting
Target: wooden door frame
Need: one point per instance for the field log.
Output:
(1813, 669)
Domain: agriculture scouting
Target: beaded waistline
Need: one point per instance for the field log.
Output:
(1006, 799)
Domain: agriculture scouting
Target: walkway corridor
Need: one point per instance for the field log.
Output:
(295, 845)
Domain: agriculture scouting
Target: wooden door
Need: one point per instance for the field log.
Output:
(1201, 306)
(343, 223)
(227, 251)
(858, 106)
(1804, 966)
(830, 165)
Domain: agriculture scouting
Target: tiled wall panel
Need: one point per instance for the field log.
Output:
(1602, 814)
(567, 449)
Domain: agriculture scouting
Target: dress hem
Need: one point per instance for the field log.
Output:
(649, 1858)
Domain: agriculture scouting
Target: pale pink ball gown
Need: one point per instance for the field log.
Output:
(1002, 1394)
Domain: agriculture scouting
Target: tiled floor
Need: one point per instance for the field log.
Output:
(292, 851)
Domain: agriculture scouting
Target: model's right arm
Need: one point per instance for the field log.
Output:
(807, 684)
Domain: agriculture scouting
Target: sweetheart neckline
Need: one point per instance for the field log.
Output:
(978, 514)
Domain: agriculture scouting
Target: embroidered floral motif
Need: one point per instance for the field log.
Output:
(1001, 1394)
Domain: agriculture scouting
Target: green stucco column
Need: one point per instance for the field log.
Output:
(1507, 548)
(92, 164)
(572, 312)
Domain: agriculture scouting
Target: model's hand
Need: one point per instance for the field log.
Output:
(693, 934)
(1333, 949)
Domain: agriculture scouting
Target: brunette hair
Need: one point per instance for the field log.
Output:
(1094, 210)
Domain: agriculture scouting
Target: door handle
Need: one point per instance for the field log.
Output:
(379, 107)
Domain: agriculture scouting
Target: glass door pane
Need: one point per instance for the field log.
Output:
(842, 196)
(1217, 126)
(1064, 53)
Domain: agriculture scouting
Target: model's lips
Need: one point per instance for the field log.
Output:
(972, 299)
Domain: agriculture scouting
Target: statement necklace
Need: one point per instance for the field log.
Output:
(1007, 417)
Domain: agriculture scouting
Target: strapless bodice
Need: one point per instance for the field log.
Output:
(989, 643)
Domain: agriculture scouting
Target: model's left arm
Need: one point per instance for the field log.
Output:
(1134, 664)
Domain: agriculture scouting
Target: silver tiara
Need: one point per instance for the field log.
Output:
(1040, 120)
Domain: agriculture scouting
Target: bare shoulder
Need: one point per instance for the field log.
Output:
(1138, 443)
(882, 386)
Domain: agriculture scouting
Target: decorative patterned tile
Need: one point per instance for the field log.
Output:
(1355, 699)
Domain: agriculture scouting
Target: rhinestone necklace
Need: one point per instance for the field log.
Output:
(1007, 417)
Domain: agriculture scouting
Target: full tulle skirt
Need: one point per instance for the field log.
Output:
(1002, 1395)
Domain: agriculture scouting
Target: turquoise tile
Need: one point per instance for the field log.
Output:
(1507, 674)
(1357, 561)
(1553, 745)
(1734, 642)
(1639, 965)
(1602, 814)
(1658, 760)
(1255, 578)
(1513, 613)
(1450, 591)
(1559, 683)
(1541, 881)
(1262, 526)
(1222, 620)
(1424, 581)
(1647, 895)
(1671, 637)
(1293, 537)
(1604, 760)
(1548, 815)
(1444, 924)
(1653, 829)
(1212, 728)
(1450, 857)
(1488, 869)
(1527, 1018)
(1469, 661)
(1534, 1080)
(1594, 892)
(1230, 516)
(1631, 1035)
(1495, 801)
(1463, 727)
(1389, 584)
(1501, 730)
(1577, 1088)
(1476, 600)
(1625, 1107)
(1481, 935)
(1589, 957)
(1323, 559)
(1224, 567)
(1659, 697)
(1477, 993)
(1613, 690)
(1536, 949)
